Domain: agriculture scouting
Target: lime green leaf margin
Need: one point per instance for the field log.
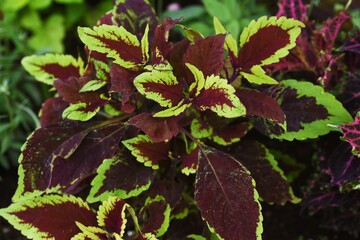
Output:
(338, 115)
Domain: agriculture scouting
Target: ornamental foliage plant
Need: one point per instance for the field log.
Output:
(153, 138)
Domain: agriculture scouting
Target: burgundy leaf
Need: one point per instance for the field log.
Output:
(292, 9)
(116, 177)
(260, 104)
(51, 111)
(69, 90)
(270, 181)
(160, 41)
(146, 151)
(59, 160)
(207, 55)
(172, 191)
(50, 216)
(155, 216)
(106, 19)
(111, 215)
(298, 109)
(157, 129)
(122, 79)
(262, 45)
(226, 197)
(175, 57)
(190, 162)
(230, 133)
(98, 145)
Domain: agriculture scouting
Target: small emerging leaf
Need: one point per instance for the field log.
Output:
(146, 151)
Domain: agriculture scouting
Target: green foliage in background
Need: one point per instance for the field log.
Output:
(33, 27)
(233, 14)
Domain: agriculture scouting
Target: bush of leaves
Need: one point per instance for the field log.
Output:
(161, 139)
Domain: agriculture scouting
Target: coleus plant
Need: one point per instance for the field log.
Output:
(334, 64)
(154, 132)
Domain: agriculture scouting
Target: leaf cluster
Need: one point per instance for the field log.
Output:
(174, 139)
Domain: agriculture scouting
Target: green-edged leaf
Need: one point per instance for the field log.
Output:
(267, 40)
(195, 237)
(200, 129)
(230, 42)
(156, 216)
(226, 196)
(258, 76)
(190, 162)
(50, 153)
(90, 233)
(160, 86)
(115, 177)
(79, 112)
(309, 110)
(116, 42)
(46, 68)
(111, 215)
(93, 85)
(215, 94)
(146, 151)
(49, 216)
(191, 34)
(271, 183)
(227, 134)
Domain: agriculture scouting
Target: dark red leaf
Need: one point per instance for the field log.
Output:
(190, 162)
(207, 55)
(122, 79)
(260, 104)
(116, 177)
(157, 129)
(69, 90)
(65, 155)
(270, 182)
(146, 151)
(297, 109)
(160, 41)
(98, 145)
(260, 46)
(110, 215)
(230, 133)
(51, 111)
(226, 196)
(50, 216)
(155, 216)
